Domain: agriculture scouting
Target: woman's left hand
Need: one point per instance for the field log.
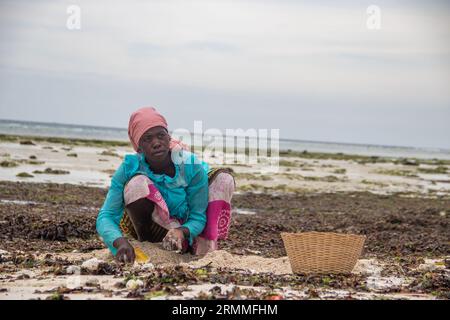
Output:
(173, 240)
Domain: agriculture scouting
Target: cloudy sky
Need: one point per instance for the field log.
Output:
(313, 69)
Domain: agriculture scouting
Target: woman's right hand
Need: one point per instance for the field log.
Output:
(125, 251)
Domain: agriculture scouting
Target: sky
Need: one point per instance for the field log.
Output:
(316, 70)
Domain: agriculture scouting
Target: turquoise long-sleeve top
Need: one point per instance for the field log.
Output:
(186, 194)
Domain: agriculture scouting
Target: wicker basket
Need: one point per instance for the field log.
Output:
(322, 252)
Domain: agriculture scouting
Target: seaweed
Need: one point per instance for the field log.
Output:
(51, 171)
(8, 164)
(24, 175)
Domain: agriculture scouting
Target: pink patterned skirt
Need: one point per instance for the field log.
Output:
(218, 213)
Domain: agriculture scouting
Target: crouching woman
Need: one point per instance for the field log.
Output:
(164, 193)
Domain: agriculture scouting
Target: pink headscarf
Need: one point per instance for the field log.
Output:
(146, 118)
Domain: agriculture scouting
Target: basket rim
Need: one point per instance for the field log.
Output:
(323, 233)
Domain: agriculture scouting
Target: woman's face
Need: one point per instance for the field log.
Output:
(154, 143)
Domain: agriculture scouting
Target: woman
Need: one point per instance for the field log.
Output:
(164, 193)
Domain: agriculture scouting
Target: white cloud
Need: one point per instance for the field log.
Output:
(288, 48)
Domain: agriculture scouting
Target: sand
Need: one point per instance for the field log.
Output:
(255, 264)
(216, 259)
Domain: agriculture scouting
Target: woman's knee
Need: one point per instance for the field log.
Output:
(222, 188)
(137, 188)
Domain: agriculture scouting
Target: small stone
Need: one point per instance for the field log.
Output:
(73, 270)
(92, 264)
(442, 213)
(3, 252)
(147, 266)
(92, 283)
(254, 252)
(23, 276)
(134, 284)
(379, 284)
(427, 267)
(367, 267)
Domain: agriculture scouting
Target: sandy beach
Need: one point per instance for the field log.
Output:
(52, 189)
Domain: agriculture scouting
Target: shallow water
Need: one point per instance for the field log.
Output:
(121, 134)
(17, 202)
(243, 211)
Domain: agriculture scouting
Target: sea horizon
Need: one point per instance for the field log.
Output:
(107, 133)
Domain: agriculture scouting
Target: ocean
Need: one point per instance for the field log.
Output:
(120, 134)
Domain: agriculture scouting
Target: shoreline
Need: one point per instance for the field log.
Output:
(92, 163)
(296, 140)
(287, 153)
